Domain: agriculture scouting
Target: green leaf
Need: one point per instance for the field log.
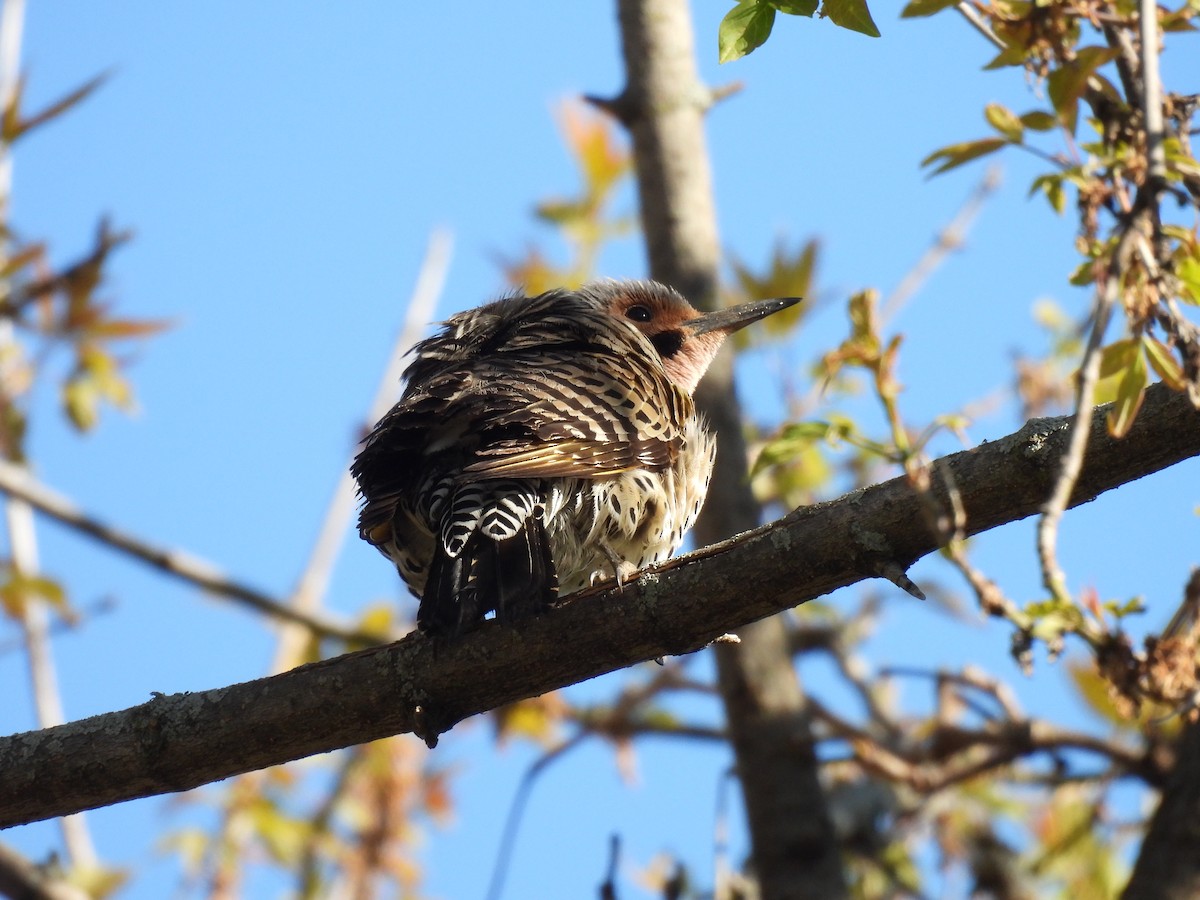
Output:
(788, 273)
(18, 590)
(1117, 357)
(1188, 272)
(1163, 363)
(919, 8)
(1012, 55)
(1067, 84)
(1052, 186)
(45, 588)
(1039, 120)
(1132, 607)
(81, 400)
(851, 14)
(796, 7)
(1084, 273)
(1094, 690)
(1130, 391)
(744, 29)
(955, 155)
(1005, 121)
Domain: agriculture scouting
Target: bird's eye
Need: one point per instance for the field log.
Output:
(639, 313)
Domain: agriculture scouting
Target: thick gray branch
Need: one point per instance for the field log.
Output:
(178, 742)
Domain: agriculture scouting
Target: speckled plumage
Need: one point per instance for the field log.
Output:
(543, 443)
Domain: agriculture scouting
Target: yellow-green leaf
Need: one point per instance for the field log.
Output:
(1118, 356)
(920, 8)
(744, 29)
(1130, 391)
(1067, 84)
(1013, 54)
(1005, 121)
(1084, 274)
(851, 14)
(1038, 120)
(1163, 363)
(1094, 691)
(1052, 186)
(18, 590)
(81, 400)
(796, 7)
(955, 155)
(1188, 272)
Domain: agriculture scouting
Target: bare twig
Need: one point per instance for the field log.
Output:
(608, 890)
(513, 821)
(16, 482)
(948, 240)
(928, 769)
(854, 670)
(1129, 238)
(1152, 105)
(1089, 371)
(314, 580)
(991, 598)
(22, 535)
(20, 878)
(47, 699)
(980, 24)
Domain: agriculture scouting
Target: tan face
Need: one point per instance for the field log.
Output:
(663, 318)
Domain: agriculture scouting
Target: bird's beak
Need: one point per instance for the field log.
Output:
(732, 318)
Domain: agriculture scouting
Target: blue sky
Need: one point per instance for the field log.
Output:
(283, 165)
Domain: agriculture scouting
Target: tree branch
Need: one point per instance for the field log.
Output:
(16, 481)
(178, 742)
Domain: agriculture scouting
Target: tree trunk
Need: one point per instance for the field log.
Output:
(1168, 866)
(794, 848)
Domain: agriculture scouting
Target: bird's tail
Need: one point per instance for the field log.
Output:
(493, 554)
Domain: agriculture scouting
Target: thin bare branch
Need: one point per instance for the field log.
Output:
(47, 699)
(929, 768)
(516, 810)
(948, 240)
(313, 582)
(22, 535)
(16, 482)
(1152, 104)
(20, 878)
(1053, 576)
(980, 24)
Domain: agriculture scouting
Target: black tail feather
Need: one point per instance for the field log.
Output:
(515, 577)
(449, 604)
(520, 577)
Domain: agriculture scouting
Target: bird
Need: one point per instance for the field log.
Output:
(543, 444)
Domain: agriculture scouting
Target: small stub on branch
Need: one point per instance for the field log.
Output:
(423, 727)
(895, 573)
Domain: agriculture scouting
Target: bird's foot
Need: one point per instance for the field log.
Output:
(622, 570)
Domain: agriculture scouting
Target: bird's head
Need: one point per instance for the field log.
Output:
(686, 340)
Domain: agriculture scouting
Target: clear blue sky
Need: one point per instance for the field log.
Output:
(283, 165)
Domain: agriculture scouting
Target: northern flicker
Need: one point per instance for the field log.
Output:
(541, 444)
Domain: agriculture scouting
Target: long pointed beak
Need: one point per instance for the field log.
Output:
(732, 318)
